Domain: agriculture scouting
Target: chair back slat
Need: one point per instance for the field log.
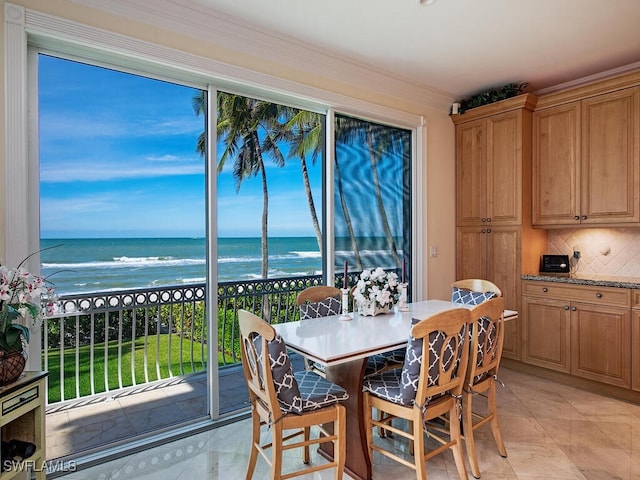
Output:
(487, 338)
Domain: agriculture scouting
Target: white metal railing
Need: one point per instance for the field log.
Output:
(96, 343)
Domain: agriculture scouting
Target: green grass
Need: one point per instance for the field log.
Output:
(156, 345)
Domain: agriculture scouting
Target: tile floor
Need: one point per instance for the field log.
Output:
(551, 431)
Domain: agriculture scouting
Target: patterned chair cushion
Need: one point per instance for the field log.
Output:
(323, 308)
(468, 297)
(287, 389)
(318, 392)
(404, 392)
(485, 328)
(383, 361)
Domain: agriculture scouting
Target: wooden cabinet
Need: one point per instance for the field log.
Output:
(586, 161)
(577, 329)
(546, 333)
(489, 165)
(22, 417)
(494, 239)
(635, 341)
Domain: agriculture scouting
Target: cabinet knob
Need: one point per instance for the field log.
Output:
(573, 309)
(576, 217)
(584, 217)
(488, 230)
(566, 307)
(598, 295)
(484, 230)
(545, 289)
(484, 219)
(488, 219)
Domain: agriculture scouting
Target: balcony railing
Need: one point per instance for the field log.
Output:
(96, 343)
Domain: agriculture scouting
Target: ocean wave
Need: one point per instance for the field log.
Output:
(307, 254)
(127, 262)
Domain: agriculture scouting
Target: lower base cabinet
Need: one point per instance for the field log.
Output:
(601, 343)
(546, 333)
(589, 338)
(635, 351)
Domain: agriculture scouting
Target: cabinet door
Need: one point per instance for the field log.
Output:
(471, 201)
(601, 344)
(503, 254)
(635, 351)
(471, 252)
(546, 333)
(504, 168)
(556, 165)
(610, 159)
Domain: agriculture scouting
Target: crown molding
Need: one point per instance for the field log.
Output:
(188, 17)
(580, 82)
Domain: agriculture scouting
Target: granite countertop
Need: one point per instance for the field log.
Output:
(588, 279)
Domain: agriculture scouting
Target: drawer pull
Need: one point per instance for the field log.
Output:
(598, 295)
(566, 307)
(573, 309)
(545, 289)
(576, 217)
(584, 217)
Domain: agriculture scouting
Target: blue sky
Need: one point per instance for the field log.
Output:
(118, 159)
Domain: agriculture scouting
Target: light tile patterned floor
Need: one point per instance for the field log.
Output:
(551, 431)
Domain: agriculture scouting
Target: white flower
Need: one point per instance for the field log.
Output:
(21, 289)
(377, 285)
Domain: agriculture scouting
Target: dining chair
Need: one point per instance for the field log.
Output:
(323, 300)
(487, 337)
(283, 400)
(473, 291)
(427, 387)
(314, 302)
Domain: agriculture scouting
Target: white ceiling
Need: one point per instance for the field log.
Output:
(458, 47)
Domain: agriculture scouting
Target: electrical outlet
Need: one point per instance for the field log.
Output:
(576, 251)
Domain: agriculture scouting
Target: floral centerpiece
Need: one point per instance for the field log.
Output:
(376, 291)
(20, 294)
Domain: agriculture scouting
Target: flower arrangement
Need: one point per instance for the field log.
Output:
(20, 292)
(377, 287)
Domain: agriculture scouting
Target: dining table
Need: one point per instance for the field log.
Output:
(342, 345)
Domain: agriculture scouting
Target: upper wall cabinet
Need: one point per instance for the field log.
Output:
(489, 162)
(586, 161)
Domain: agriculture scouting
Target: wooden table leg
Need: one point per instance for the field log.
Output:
(349, 376)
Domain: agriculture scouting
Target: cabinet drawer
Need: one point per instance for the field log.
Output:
(20, 399)
(579, 293)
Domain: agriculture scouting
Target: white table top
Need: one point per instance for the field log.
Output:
(329, 340)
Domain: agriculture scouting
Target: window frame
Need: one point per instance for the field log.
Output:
(27, 31)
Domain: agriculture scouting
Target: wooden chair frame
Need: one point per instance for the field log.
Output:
(265, 410)
(493, 310)
(477, 285)
(450, 322)
(317, 293)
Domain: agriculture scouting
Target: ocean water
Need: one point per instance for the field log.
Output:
(90, 265)
(94, 264)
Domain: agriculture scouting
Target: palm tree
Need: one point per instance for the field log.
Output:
(303, 130)
(248, 129)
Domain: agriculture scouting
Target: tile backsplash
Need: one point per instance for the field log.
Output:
(606, 251)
